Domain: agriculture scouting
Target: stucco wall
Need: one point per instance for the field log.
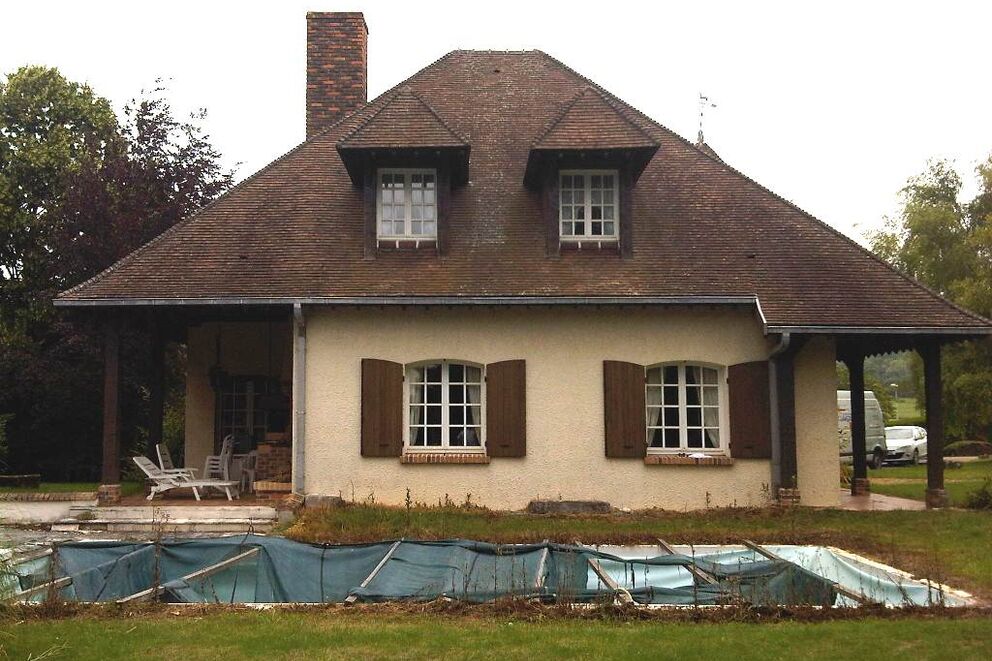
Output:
(816, 424)
(564, 350)
(246, 348)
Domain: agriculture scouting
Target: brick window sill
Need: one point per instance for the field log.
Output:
(677, 460)
(444, 458)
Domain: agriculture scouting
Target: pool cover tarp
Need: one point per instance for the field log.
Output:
(284, 571)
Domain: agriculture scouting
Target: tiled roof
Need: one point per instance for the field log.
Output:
(700, 228)
(403, 120)
(590, 121)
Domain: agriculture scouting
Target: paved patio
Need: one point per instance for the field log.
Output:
(876, 502)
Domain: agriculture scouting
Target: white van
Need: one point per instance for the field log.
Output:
(874, 429)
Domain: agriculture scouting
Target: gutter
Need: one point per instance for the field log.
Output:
(299, 398)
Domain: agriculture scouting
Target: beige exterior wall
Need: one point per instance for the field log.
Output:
(246, 348)
(817, 450)
(564, 350)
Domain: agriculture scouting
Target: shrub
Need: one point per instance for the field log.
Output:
(968, 449)
(980, 498)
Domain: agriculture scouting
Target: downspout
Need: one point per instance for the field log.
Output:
(784, 340)
(299, 397)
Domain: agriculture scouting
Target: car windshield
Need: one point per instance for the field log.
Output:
(899, 434)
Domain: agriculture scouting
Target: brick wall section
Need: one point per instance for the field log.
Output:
(337, 51)
(275, 463)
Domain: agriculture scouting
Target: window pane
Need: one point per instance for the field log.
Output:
(456, 415)
(692, 396)
(653, 396)
(671, 417)
(709, 375)
(473, 415)
(456, 437)
(671, 375)
(473, 374)
(711, 416)
(694, 438)
(417, 436)
(656, 438)
(712, 438)
(693, 417)
(456, 373)
(472, 437)
(671, 395)
(434, 373)
(654, 375)
(433, 415)
(711, 395)
(433, 436)
(692, 374)
(671, 438)
(456, 394)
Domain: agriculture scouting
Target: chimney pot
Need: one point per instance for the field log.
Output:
(337, 64)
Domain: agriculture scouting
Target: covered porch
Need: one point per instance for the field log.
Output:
(241, 380)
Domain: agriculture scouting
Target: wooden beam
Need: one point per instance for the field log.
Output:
(856, 369)
(620, 593)
(698, 573)
(382, 563)
(111, 469)
(936, 496)
(57, 584)
(156, 388)
(847, 592)
(785, 385)
(198, 575)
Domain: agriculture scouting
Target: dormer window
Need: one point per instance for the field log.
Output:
(407, 204)
(588, 205)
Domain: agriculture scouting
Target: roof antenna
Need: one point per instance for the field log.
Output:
(704, 103)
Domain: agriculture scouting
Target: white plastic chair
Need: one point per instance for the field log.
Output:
(218, 466)
(163, 482)
(165, 462)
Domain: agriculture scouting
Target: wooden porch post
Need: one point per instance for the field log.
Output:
(860, 485)
(785, 386)
(936, 495)
(111, 470)
(156, 389)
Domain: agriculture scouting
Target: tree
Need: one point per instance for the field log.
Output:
(947, 245)
(79, 189)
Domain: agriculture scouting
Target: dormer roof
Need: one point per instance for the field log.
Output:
(590, 121)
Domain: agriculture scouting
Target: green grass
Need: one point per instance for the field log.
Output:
(959, 482)
(938, 544)
(127, 488)
(906, 407)
(365, 635)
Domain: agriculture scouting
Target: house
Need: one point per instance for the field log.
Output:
(498, 281)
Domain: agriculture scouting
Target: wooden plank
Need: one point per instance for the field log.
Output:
(57, 584)
(506, 408)
(750, 410)
(382, 563)
(847, 592)
(382, 408)
(199, 574)
(700, 574)
(619, 593)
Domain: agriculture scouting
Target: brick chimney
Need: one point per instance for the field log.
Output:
(337, 51)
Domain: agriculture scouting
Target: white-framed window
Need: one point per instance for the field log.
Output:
(588, 205)
(686, 410)
(406, 203)
(444, 406)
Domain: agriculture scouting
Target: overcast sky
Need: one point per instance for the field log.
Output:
(831, 105)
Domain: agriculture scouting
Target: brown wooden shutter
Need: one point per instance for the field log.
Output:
(506, 409)
(750, 411)
(624, 408)
(382, 408)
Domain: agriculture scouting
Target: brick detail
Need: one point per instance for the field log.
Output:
(788, 497)
(108, 494)
(444, 458)
(275, 462)
(860, 486)
(676, 460)
(337, 56)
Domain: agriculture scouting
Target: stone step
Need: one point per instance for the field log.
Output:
(173, 513)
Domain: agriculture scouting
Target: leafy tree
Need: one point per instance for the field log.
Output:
(947, 245)
(79, 189)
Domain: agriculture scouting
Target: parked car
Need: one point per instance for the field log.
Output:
(875, 448)
(905, 444)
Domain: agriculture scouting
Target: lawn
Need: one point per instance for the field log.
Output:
(371, 635)
(906, 408)
(127, 488)
(911, 481)
(938, 544)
